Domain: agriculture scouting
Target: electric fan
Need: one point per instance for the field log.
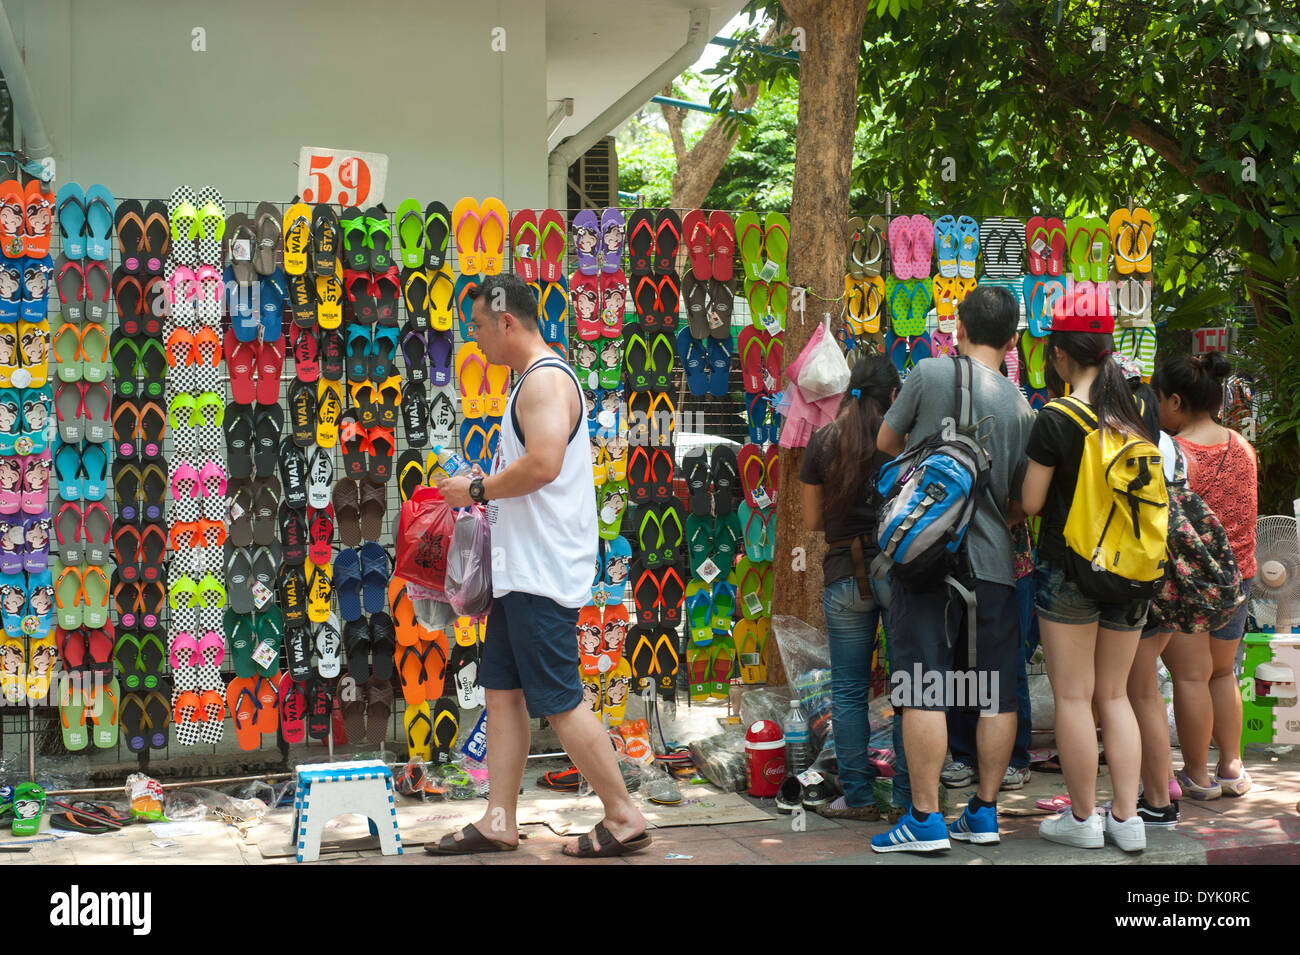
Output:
(1277, 581)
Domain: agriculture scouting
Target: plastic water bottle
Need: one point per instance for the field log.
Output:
(797, 753)
(450, 461)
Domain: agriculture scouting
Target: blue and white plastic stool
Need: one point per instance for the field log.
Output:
(326, 790)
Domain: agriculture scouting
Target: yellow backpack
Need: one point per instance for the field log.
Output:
(1116, 529)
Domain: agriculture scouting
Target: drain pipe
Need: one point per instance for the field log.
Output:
(37, 141)
(565, 154)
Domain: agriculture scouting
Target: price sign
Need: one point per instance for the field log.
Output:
(342, 176)
(1205, 340)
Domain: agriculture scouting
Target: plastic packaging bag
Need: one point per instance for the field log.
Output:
(806, 653)
(722, 759)
(469, 564)
(424, 530)
(825, 372)
(146, 797)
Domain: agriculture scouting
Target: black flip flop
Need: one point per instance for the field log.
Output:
(437, 230)
(268, 421)
(415, 416)
(726, 479)
(410, 472)
(356, 640)
(695, 468)
(302, 299)
(293, 473)
(265, 563)
(240, 532)
(320, 708)
(153, 308)
(721, 300)
(153, 491)
(238, 426)
(126, 489)
(383, 641)
(333, 359)
(668, 235)
(297, 645)
(640, 241)
(292, 585)
(127, 292)
(157, 235)
(302, 413)
(293, 535)
(153, 369)
(239, 580)
(324, 238)
(352, 440)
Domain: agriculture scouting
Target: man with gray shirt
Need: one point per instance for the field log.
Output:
(929, 626)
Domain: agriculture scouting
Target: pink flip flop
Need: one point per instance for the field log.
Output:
(182, 643)
(1054, 804)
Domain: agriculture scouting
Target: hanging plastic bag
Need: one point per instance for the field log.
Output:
(825, 372)
(424, 530)
(469, 564)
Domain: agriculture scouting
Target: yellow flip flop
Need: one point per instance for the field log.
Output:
(320, 591)
(297, 238)
(329, 297)
(442, 293)
(13, 669)
(496, 388)
(329, 407)
(471, 374)
(492, 234)
(466, 632)
(43, 659)
(466, 220)
(419, 731)
(618, 686)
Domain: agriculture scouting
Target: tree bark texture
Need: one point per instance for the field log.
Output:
(828, 86)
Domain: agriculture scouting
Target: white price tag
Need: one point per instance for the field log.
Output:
(715, 320)
(809, 777)
(265, 654)
(769, 271)
(261, 594)
(771, 324)
(593, 380)
(241, 250)
(343, 176)
(1041, 248)
(753, 603)
(236, 512)
(606, 419)
(769, 383)
(761, 500)
(708, 571)
(608, 514)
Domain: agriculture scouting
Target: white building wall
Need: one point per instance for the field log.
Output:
(129, 103)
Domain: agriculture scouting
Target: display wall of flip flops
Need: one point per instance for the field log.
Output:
(211, 529)
(906, 276)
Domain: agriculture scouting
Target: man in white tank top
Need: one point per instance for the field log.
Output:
(542, 507)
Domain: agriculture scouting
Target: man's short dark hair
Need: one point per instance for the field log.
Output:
(507, 292)
(990, 314)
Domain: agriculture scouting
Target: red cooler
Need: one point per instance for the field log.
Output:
(765, 748)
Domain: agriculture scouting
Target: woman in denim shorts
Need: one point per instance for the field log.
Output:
(838, 476)
(1221, 468)
(1089, 646)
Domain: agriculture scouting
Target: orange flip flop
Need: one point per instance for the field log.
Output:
(243, 710)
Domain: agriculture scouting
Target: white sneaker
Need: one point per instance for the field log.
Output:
(1068, 831)
(1130, 835)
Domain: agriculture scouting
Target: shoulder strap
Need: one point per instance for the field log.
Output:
(1076, 411)
(965, 396)
(553, 362)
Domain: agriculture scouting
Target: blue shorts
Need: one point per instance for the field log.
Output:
(1059, 600)
(531, 643)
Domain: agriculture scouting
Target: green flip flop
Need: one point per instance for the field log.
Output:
(105, 715)
(1078, 248)
(699, 539)
(72, 718)
(749, 233)
(777, 242)
(239, 631)
(29, 808)
(410, 233)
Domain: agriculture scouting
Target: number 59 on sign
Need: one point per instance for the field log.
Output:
(342, 176)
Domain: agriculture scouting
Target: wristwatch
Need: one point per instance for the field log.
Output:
(476, 491)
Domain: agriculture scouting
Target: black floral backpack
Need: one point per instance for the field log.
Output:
(1201, 588)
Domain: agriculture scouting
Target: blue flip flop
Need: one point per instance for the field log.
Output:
(274, 289)
(473, 441)
(11, 304)
(358, 359)
(757, 408)
(239, 302)
(597, 583)
(37, 405)
(94, 472)
(67, 471)
(70, 211)
(375, 571)
(968, 246)
(693, 355)
(462, 303)
(617, 549)
(347, 584)
(101, 209)
(554, 310)
(11, 402)
(719, 366)
(35, 304)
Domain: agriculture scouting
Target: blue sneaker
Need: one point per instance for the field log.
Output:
(980, 826)
(912, 836)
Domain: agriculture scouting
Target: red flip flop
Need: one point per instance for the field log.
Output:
(270, 362)
(555, 238)
(699, 243)
(723, 228)
(753, 469)
(306, 351)
(240, 359)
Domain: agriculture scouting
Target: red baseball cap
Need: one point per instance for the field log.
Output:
(1068, 316)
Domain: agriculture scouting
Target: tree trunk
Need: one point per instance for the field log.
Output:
(828, 109)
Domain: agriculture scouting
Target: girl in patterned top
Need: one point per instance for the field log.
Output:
(1221, 469)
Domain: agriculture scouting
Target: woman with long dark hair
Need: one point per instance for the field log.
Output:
(1089, 645)
(1221, 468)
(839, 497)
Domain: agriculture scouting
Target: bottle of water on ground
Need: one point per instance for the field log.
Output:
(798, 752)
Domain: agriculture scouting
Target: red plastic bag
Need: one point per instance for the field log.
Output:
(424, 530)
